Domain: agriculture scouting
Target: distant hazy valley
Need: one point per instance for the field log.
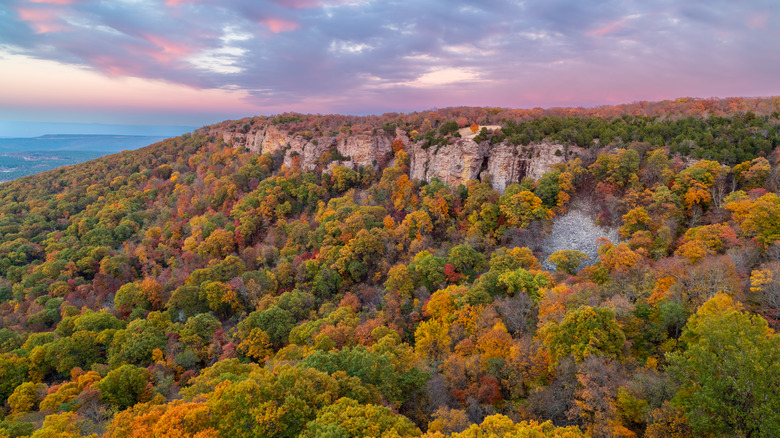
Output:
(27, 156)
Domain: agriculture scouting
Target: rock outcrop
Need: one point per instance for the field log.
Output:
(504, 163)
(455, 163)
(509, 163)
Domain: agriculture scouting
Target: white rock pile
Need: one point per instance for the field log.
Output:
(576, 230)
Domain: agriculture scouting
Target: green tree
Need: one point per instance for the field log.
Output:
(466, 260)
(130, 301)
(428, 270)
(186, 301)
(97, 322)
(136, 343)
(547, 188)
(275, 321)
(397, 381)
(520, 280)
(279, 403)
(13, 372)
(197, 333)
(729, 371)
(584, 332)
(126, 386)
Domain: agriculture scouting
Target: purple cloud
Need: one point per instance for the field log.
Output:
(371, 56)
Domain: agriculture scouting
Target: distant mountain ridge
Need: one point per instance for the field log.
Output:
(19, 129)
(82, 142)
(27, 156)
(61, 136)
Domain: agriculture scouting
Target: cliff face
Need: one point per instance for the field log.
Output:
(455, 163)
(509, 163)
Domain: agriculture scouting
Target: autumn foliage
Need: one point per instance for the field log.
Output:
(196, 289)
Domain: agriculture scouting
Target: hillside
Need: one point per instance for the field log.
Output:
(305, 275)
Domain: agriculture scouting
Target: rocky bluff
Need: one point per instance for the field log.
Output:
(455, 163)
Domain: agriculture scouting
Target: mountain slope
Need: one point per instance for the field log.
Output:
(228, 282)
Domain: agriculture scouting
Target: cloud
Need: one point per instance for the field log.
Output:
(444, 76)
(41, 20)
(54, 2)
(278, 25)
(364, 56)
(612, 27)
(164, 50)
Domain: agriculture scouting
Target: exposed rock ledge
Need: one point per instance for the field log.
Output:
(454, 163)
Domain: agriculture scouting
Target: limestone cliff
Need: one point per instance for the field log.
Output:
(509, 163)
(457, 162)
(453, 164)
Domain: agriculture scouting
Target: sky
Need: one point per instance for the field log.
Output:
(195, 62)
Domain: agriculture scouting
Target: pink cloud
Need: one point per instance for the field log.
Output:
(54, 2)
(277, 25)
(612, 27)
(178, 2)
(166, 50)
(110, 65)
(298, 4)
(306, 4)
(41, 20)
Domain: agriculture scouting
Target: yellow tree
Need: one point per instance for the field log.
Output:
(752, 174)
(26, 397)
(499, 426)
(758, 218)
(567, 260)
(635, 220)
(694, 184)
(432, 340)
(64, 425)
(221, 297)
(522, 208)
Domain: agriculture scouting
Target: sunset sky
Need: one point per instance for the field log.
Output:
(194, 62)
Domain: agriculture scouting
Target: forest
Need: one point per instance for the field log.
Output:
(192, 288)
